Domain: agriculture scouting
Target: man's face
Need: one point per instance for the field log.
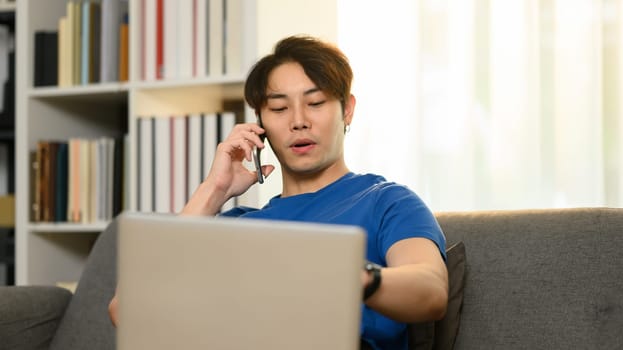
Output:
(304, 125)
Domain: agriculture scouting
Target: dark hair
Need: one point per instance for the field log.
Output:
(322, 62)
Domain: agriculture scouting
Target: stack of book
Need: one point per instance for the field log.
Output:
(90, 45)
(174, 155)
(79, 180)
(182, 39)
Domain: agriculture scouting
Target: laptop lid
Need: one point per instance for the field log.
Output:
(226, 283)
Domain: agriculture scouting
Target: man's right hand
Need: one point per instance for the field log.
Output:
(228, 176)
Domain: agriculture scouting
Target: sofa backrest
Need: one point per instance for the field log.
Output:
(540, 279)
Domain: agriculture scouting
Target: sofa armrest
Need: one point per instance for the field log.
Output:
(29, 315)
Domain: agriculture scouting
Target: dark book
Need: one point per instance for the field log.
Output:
(61, 184)
(50, 164)
(95, 42)
(39, 58)
(33, 159)
(40, 185)
(118, 155)
(46, 58)
(47, 179)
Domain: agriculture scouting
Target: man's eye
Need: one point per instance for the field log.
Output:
(316, 104)
(277, 109)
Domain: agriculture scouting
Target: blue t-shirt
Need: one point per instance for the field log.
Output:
(387, 211)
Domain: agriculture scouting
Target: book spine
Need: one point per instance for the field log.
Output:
(124, 72)
(110, 27)
(215, 35)
(161, 49)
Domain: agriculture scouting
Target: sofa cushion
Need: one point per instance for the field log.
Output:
(442, 334)
(30, 315)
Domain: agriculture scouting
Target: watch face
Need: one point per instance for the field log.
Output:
(370, 266)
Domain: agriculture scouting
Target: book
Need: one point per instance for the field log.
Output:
(149, 40)
(40, 186)
(64, 56)
(226, 122)
(195, 163)
(111, 27)
(50, 170)
(179, 163)
(46, 58)
(144, 145)
(84, 188)
(85, 42)
(34, 185)
(95, 42)
(124, 39)
(60, 206)
(126, 179)
(209, 141)
(161, 174)
(200, 38)
(97, 176)
(215, 38)
(163, 8)
(118, 176)
(184, 39)
(68, 48)
(171, 38)
(76, 14)
(74, 181)
(109, 146)
(233, 37)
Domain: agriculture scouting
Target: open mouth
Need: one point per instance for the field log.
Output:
(302, 144)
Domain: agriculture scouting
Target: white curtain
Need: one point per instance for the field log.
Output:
(489, 104)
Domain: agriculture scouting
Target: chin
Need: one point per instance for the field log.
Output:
(305, 170)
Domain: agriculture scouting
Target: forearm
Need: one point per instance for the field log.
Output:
(411, 293)
(205, 201)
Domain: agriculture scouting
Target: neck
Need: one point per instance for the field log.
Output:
(299, 183)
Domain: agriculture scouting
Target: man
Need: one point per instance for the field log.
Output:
(301, 96)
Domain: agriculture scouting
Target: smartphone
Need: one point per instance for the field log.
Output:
(256, 155)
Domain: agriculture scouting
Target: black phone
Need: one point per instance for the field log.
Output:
(256, 155)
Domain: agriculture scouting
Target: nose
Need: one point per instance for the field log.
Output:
(299, 120)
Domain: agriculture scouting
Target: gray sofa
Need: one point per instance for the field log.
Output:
(535, 279)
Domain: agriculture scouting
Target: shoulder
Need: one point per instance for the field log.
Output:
(386, 190)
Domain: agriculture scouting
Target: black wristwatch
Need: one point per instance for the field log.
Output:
(375, 271)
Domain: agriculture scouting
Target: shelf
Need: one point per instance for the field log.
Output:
(67, 227)
(170, 84)
(97, 91)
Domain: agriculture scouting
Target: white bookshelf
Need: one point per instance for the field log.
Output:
(48, 253)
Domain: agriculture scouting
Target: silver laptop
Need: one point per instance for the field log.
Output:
(225, 283)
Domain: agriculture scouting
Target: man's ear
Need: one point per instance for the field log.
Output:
(349, 109)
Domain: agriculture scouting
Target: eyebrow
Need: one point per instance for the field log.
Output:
(305, 93)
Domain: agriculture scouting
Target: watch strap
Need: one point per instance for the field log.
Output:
(375, 271)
